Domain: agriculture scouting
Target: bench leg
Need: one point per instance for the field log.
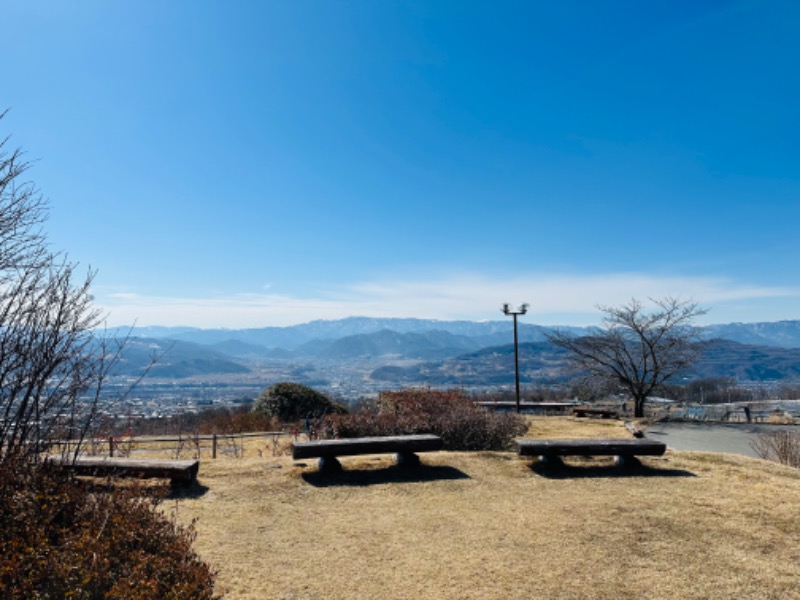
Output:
(551, 461)
(627, 462)
(329, 464)
(407, 460)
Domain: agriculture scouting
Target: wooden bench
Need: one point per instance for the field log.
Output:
(603, 413)
(405, 446)
(624, 450)
(178, 471)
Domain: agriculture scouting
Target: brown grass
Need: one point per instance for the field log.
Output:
(488, 525)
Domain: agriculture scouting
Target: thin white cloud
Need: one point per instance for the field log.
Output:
(553, 299)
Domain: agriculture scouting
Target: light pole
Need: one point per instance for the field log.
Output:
(507, 310)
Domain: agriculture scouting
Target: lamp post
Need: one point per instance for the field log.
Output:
(507, 310)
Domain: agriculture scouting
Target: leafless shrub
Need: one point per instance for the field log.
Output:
(123, 446)
(232, 445)
(280, 446)
(779, 446)
(462, 424)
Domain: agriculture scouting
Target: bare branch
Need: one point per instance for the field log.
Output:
(49, 358)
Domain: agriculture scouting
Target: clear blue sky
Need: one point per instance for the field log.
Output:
(256, 163)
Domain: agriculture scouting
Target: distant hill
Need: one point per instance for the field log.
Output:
(748, 362)
(785, 334)
(540, 362)
(175, 359)
(243, 350)
(427, 345)
(544, 363)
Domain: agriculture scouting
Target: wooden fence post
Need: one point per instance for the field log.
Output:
(111, 446)
(214, 446)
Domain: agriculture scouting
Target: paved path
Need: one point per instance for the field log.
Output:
(733, 439)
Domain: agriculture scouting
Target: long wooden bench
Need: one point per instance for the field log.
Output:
(178, 471)
(624, 450)
(405, 446)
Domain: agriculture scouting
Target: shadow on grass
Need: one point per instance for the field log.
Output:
(568, 471)
(393, 474)
(169, 491)
(195, 489)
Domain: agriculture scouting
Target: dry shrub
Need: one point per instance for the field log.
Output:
(63, 539)
(780, 417)
(462, 424)
(779, 446)
(235, 420)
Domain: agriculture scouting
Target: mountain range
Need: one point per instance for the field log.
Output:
(785, 334)
(419, 351)
(483, 333)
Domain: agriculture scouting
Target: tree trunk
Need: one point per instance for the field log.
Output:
(638, 410)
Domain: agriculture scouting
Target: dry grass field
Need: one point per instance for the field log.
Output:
(491, 525)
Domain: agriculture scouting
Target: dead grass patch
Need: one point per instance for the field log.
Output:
(487, 525)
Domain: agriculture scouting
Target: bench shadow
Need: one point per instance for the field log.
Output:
(392, 474)
(568, 471)
(193, 490)
(166, 490)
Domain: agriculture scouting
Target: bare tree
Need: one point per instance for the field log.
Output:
(638, 349)
(52, 363)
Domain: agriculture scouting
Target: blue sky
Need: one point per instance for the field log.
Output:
(247, 164)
